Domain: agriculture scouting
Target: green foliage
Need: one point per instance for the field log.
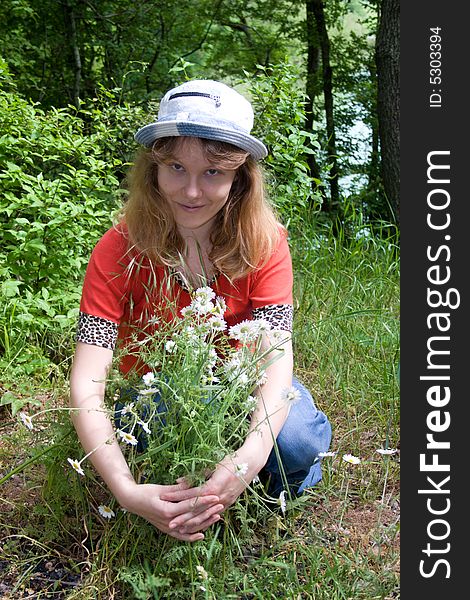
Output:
(15, 403)
(135, 45)
(279, 106)
(64, 52)
(59, 178)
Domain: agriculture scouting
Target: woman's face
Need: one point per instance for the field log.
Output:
(194, 188)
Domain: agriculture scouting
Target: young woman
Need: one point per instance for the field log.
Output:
(196, 215)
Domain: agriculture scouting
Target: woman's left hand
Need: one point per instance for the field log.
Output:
(230, 478)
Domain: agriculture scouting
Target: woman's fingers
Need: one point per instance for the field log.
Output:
(191, 507)
(190, 520)
(187, 536)
(188, 529)
(178, 493)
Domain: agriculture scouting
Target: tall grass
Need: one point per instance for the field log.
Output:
(338, 541)
(347, 330)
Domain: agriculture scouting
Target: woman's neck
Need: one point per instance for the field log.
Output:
(197, 268)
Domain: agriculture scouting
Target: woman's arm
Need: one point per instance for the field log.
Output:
(96, 433)
(272, 408)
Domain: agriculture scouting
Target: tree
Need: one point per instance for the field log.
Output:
(313, 79)
(316, 8)
(388, 76)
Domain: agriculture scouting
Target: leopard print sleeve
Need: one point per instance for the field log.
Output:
(280, 316)
(96, 331)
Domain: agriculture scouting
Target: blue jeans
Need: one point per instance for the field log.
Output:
(305, 433)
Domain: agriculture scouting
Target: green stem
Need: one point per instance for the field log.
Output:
(344, 504)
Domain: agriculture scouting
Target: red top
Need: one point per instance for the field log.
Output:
(122, 287)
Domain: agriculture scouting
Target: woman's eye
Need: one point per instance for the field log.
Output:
(213, 171)
(177, 167)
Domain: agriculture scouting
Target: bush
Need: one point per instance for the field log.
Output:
(60, 178)
(279, 106)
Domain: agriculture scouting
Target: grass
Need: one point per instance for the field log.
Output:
(339, 541)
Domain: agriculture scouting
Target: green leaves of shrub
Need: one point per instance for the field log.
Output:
(60, 174)
(279, 105)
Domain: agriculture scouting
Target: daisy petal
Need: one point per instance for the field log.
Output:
(75, 464)
(352, 460)
(105, 511)
(326, 454)
(26, 420)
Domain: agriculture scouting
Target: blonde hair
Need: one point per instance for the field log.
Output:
(246, 230)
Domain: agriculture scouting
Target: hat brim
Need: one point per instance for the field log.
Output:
(148, 134)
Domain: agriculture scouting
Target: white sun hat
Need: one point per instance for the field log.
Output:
(206, 109)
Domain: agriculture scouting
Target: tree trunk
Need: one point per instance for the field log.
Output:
(76, 53)
(373, 170)
(312, 87)
(387, 56)
(327, 72)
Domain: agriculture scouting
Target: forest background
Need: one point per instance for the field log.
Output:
(77, 78)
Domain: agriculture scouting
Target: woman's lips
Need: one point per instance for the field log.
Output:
(190, 208)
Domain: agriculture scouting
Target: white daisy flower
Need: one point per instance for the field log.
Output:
(127, 408)
(352, 460)
(220, 306)
(245, 332)
(148, 378)
(105, 511)
(127, 437)
(202, 308)
(148, 391)
(202, 301)
(251, 403)
(262, 325)
(187, 310)
(217, 324)
(201, 572)
(386, 451)
(76, 466)
(204, 294)
(212, 357)
(282, 501)
(210, 379)
(243, 379)
(26, 420)
(170, 346)
(263, 379)
(241, 469)
(290, 395)
(326, 454)
(363, 233)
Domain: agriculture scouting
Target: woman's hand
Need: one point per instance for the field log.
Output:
(146, 501)
(230, 478)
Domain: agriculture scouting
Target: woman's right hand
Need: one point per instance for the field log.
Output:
(144, 500)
